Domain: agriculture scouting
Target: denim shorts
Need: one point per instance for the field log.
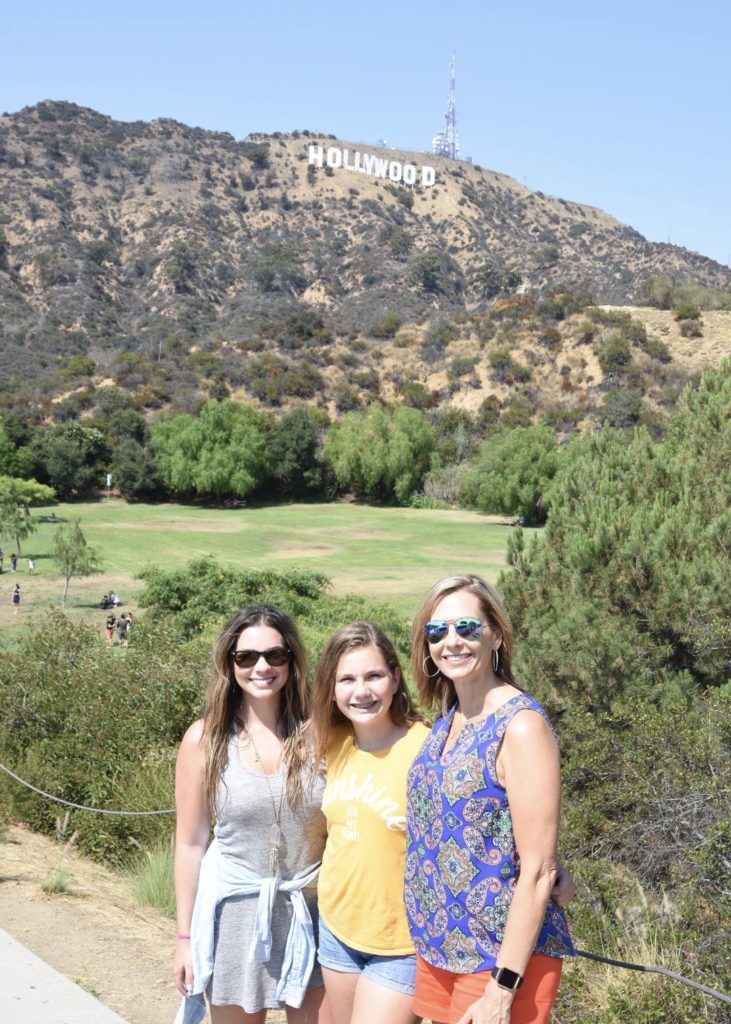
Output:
(395, 972)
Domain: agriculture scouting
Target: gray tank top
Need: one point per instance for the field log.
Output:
(245, 812)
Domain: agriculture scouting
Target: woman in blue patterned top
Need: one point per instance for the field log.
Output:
(483, 812)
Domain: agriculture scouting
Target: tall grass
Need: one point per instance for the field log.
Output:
(150, 878)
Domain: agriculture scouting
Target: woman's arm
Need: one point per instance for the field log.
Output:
(528, 766)
(192, 828)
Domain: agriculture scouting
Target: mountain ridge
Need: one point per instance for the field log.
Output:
(118, 236)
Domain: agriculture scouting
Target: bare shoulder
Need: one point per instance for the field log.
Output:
(192, 740)
(529, 726)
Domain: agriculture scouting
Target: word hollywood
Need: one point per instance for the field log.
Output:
(368, 163)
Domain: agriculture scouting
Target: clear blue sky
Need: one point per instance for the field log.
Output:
(625, 106)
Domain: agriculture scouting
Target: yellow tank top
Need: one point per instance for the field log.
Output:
(360, 891)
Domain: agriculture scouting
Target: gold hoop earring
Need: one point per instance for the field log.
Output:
(495, 660)
(429, 675)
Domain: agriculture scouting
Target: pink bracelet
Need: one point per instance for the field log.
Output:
(181, 936)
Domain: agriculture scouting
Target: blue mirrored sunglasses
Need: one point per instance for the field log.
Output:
(468, 628)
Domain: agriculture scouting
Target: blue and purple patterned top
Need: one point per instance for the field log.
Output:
(461, 859)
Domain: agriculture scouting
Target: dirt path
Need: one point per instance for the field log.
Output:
(95, 933)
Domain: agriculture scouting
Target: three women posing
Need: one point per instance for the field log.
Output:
(483, 798)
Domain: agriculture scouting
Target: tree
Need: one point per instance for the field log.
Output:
(383, 454)
(73, 457)
(16, 496)
(627, 592)
(293, 455)
(222, 451)
(512, 472)
(134, 469)
(73, 555)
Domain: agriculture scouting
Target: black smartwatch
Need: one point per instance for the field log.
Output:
(506, 978)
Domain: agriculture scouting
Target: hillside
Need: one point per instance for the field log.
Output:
(137, 243)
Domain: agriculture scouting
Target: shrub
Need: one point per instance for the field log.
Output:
(621, 407)
(685, 310)
(417, 395)
(460, 366)
(615, 354)
(512, 472)
(387, 327)
(691, 328)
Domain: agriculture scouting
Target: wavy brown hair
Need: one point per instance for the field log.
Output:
(434, 688)
(224, 702)
(326, 715)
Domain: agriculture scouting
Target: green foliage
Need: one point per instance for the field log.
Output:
(134, 469)
(615, 353)
(293, 454)
(273, 380)
(387, 327)
(100, 729)
(16, 497)
(663, 293)
(622, 407)
(417, 395)
(150, 878)
(435, 272)
(512, 472)
(203, 592)
(220, 452)
(178, 266)
(57, 882)
(685, 310)
(507, 370)
(257, 152)
(628, 591)
(381, 454)
(493, 278)
(72, 457)
(73, 555)
(646, 796)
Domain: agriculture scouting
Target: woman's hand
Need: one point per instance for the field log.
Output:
(183, 967)
(564, 889)
(492, 1008)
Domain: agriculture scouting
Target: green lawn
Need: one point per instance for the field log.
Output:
(393, 554)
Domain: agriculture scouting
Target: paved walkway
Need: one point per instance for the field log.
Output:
(31, 992)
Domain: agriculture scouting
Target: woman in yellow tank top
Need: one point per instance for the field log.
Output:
(368, 730)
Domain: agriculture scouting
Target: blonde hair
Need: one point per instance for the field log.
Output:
(433, 687)
(224, 700)
(326, 715)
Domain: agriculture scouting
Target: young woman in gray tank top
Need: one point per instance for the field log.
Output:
(250, 902)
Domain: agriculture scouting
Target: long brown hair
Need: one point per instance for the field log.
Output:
(434, 688)
(326, 715)
(224, 700)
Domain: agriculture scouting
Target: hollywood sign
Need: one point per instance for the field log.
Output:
(369, 163)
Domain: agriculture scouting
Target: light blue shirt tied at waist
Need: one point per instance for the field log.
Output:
(221, 877)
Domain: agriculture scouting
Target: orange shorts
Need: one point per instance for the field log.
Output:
(444, 996)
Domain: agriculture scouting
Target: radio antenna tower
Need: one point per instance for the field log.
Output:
(446, 142)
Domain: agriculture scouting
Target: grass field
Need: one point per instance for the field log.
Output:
(392, 554)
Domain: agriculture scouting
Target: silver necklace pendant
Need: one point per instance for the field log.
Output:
(275, 839)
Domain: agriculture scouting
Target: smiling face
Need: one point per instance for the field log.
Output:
(464, 659)
(364, 688)
(262, 681)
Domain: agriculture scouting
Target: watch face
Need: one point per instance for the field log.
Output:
(506, 978)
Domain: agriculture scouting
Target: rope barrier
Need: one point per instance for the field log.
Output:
(579, 952)
(82, 807)
(656, 970)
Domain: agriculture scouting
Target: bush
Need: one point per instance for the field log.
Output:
(417, 395)
(615, 354)
(691, 328)
(685, 310)
(387, 327)
(512, 472)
